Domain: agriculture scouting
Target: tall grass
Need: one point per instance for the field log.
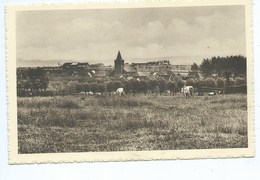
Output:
(72, 124)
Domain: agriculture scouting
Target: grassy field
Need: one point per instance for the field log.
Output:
(70, 124)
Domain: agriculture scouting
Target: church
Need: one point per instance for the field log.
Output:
(119, 66)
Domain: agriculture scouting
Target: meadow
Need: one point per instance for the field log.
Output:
(112, 123)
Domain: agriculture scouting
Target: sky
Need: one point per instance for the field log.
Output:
(96, 35)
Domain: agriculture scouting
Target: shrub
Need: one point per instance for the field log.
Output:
(180, 84)
(209, 82)
(220, 82)
(190, 82)
(240, 81)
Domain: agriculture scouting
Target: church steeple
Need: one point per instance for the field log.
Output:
(119, 65)
(119, 56)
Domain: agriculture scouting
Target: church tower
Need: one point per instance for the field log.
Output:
(119, 64)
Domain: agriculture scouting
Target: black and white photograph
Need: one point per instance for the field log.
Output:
(132, 79)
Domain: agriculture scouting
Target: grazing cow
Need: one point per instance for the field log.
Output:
(89, 93)
(120, 91)
(188, 91)
(98, 93)
(212, 93)
(82, 93)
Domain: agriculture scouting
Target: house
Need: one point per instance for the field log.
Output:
(193, 74)
(141, 75)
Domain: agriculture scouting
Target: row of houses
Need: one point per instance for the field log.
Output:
(161, 68)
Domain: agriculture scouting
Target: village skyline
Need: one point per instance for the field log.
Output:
(175, 60)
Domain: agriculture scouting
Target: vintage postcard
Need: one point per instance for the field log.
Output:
(131, 81)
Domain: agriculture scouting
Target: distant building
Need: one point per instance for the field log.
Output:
(75, 65)
(152, 66)
(193, 74)
(162, 65)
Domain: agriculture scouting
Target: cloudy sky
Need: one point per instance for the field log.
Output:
(97, 35)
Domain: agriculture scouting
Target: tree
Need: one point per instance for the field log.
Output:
(79, 87)
(171, 86)
(35, 80)
(72, 86)
(194, 67)
(135, 85)
(220, 65)
(128, 86)
(205, 67)
(93, 87)
(110, 86)
(240, 81)
(180, 84)
(85, 87)
(231, 81)
(162, 86)
(153, 83)
(209, 82)
(220, 82)
(101, 87)
(59, 87)
(190, 82)
(144, 86)
(116, 85)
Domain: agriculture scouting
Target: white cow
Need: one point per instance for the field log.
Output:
(90, 93)
(120, 91)
(212, 93)
(82, 93)
(188, 91)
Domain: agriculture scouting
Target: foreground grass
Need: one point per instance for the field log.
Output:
(70, 124)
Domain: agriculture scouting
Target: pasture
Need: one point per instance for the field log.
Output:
(112, 123)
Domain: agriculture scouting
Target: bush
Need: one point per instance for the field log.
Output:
(220, 82)
(240, 81)
(231, 82)
(190, 82)
(180, 84)
(209, 82)
(199, 83)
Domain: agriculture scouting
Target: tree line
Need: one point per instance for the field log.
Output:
(220, 65)
(31, 82)
(135, 86)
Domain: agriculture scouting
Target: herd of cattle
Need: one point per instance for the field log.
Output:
(188, 91)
